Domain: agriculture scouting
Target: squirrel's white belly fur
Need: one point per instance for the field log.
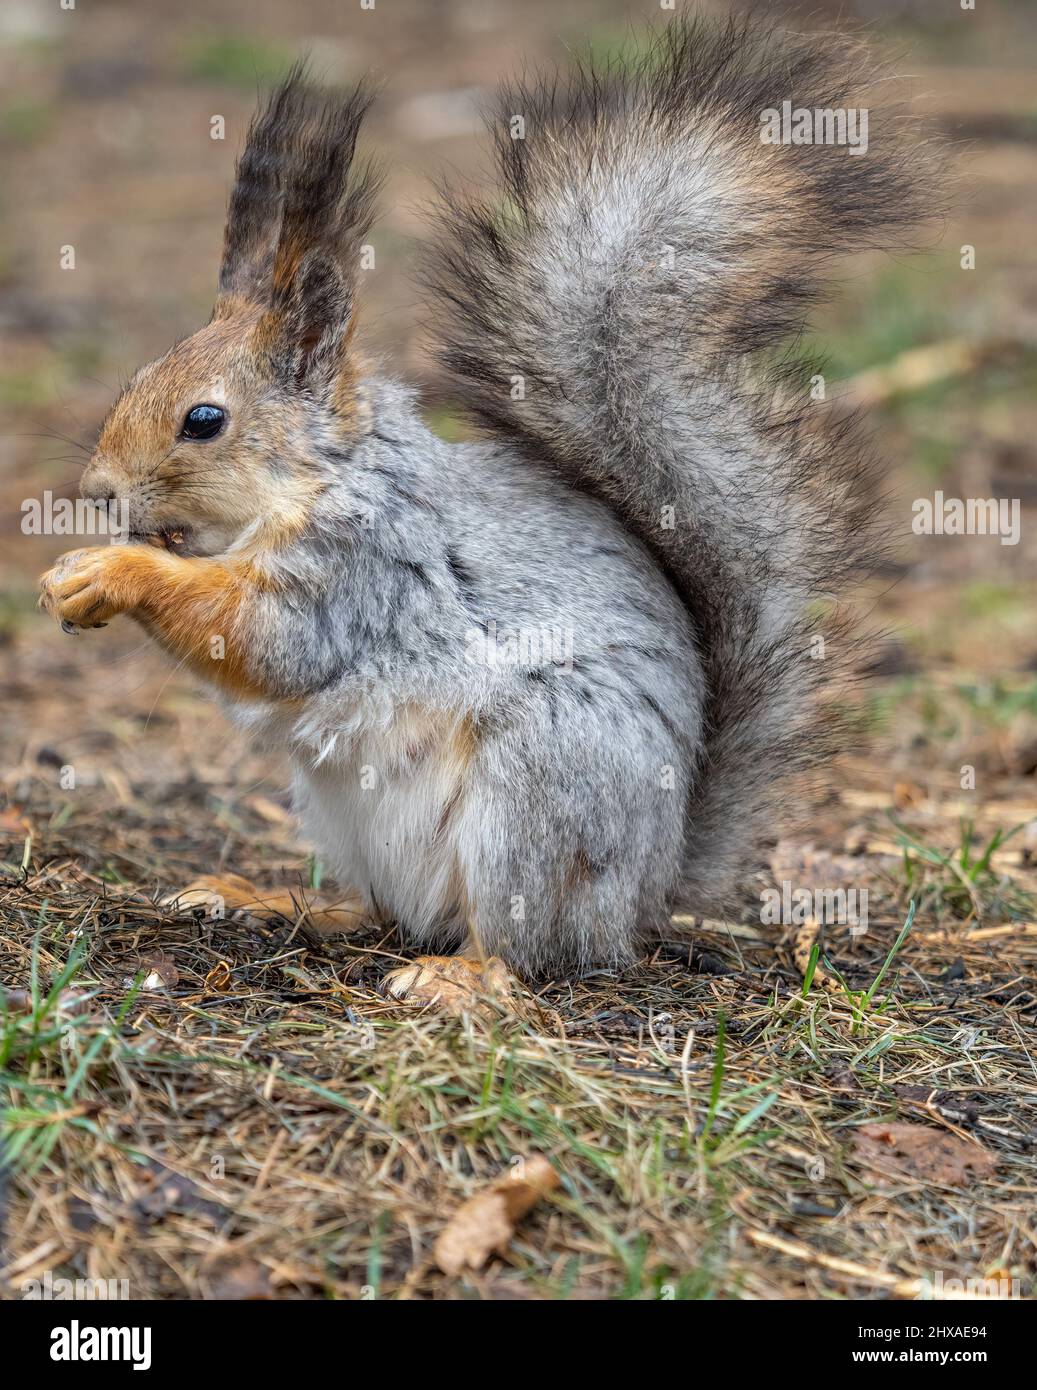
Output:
(381, 797)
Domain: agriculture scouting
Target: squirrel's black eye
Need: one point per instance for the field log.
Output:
(202, 422)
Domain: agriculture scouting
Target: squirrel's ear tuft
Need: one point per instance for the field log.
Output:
(298, 216)
(254, 211)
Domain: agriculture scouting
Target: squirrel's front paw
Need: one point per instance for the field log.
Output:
(87, 587)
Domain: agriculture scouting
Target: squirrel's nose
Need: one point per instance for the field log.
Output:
(97, 486)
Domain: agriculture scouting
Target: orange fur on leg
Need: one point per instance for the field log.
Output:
(221, 895)
(193, 606)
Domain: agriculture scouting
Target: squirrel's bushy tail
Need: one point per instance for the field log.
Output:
(612, 312)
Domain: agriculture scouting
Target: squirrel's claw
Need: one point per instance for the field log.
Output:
(75, 592)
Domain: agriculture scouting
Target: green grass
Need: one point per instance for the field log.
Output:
(28, 389)
(237, 59)
(606, 43)
(961, 881)
(862, 1002)
(962, 712)
(984, 600)
(18, 610)
(27, 122)
(998, 702)
(896, 307)
(47, 1033)
(899, 306)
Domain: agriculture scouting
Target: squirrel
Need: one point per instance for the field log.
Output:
(541, 690)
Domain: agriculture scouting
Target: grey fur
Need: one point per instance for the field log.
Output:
(649, 246)
(574, 801)
(655, 489)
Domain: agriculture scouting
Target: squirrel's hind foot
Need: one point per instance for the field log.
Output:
(460, 984)
(217, 896)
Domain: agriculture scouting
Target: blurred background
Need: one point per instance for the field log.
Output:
(105, 120)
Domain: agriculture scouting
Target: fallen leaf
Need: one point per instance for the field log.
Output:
(165, 1191)
(814, 869)
(842, 1079)
(893, 1151)
(907, 795)
(245, 1281)
(486, 1222)
(12, 822)
(269, 810)
(160, 972)
(218, 977)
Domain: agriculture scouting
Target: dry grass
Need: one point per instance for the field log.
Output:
(280, 1129)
